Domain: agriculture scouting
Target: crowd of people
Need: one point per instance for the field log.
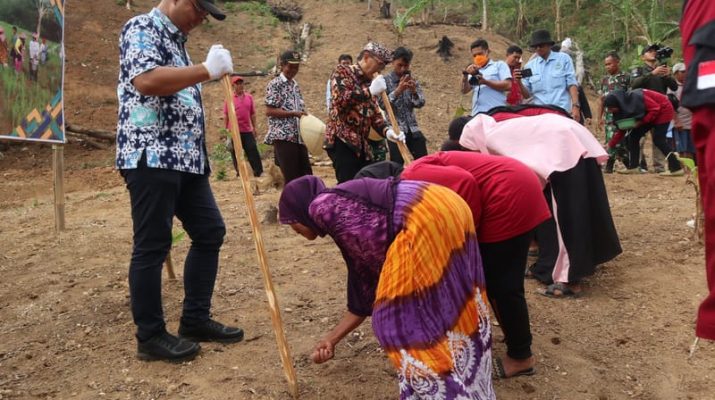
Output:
(429, 244)
(14, 50)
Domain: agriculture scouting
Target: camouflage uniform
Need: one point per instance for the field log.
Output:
(610, 83)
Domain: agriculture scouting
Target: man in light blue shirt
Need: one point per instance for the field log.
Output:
(552, 80)
(489, 80)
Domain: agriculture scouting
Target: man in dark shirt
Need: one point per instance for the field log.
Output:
(405, 95)
(652, 75)
(655, 76)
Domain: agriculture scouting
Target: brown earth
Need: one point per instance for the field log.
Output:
(65, 327)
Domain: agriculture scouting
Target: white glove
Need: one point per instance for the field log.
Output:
(378, 85)
(395, 137)
(218, 62)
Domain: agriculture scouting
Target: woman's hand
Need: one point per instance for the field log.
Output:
(323, 351)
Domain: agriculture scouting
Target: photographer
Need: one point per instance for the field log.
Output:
(654, 75)
(489, 80)
(405, 95)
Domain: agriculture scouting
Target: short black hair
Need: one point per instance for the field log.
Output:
(450, 145)
(514, 49)
(479, 43)
(456, 127)
(556, 48)
(345, 57)
(614, 55)
(402, 53)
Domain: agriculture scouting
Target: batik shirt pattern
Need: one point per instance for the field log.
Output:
(353, 111)
(609, 83)
(169, 130)
(404, 105)
(284, 94)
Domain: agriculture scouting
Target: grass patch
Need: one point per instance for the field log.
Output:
(260, 13)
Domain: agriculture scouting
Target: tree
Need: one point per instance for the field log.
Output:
(557, 23)
(521, 22)
(43, 8)
(485, 23)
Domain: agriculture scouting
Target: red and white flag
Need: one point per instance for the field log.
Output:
(706, 75)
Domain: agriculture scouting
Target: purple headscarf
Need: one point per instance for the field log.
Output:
(295, 201)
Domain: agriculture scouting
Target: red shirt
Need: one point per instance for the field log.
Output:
(696, 13)
(658, 109)
(511, 201)
(244, 109)
(514, 96)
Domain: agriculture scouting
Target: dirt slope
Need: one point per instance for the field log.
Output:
(65, 327)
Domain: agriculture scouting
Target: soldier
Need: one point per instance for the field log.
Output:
(614, 80)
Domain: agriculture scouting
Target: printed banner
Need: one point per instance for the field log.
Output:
(32, 70)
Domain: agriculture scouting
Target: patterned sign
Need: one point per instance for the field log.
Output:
(32, 74)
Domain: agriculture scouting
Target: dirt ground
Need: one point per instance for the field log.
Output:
(65, 326)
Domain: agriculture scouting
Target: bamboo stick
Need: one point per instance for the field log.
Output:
(404, 152)
(260, 248)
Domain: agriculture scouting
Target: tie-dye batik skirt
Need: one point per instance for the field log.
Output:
(430, 313)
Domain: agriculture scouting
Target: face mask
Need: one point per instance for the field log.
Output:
(480, 60)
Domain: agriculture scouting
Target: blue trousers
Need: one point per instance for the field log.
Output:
(157, 195)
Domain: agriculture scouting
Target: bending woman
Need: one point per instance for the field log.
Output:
(565, 155)
(507, 205)
(413, 264)
(651, 110)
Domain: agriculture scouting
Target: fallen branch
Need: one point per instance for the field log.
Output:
(286, 10)
(250, 73)
(80, 138)
(95, 133)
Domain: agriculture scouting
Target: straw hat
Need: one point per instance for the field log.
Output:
(312, 131)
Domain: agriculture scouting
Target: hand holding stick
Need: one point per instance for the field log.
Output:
(404, 152)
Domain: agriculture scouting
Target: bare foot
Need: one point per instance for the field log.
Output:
(513, 366)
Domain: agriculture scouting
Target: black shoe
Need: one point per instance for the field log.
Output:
(609, 166)
(167, 347)
(211, 331)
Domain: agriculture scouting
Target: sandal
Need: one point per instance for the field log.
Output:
(563, 289)
(528, 274)
(501, 374)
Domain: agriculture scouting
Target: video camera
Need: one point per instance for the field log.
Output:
(662, 54)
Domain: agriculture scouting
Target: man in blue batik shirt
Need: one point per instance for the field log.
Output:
(552, 80)
(488, 80)
(161, 153)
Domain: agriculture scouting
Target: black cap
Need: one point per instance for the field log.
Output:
(653, 47)
(211, 8)
(290, 57)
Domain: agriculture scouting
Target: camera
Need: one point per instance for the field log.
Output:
(475, 79)
(663, 54)
(526, 73)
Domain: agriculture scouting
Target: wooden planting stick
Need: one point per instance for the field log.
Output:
(258, 239)
(404, 152)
